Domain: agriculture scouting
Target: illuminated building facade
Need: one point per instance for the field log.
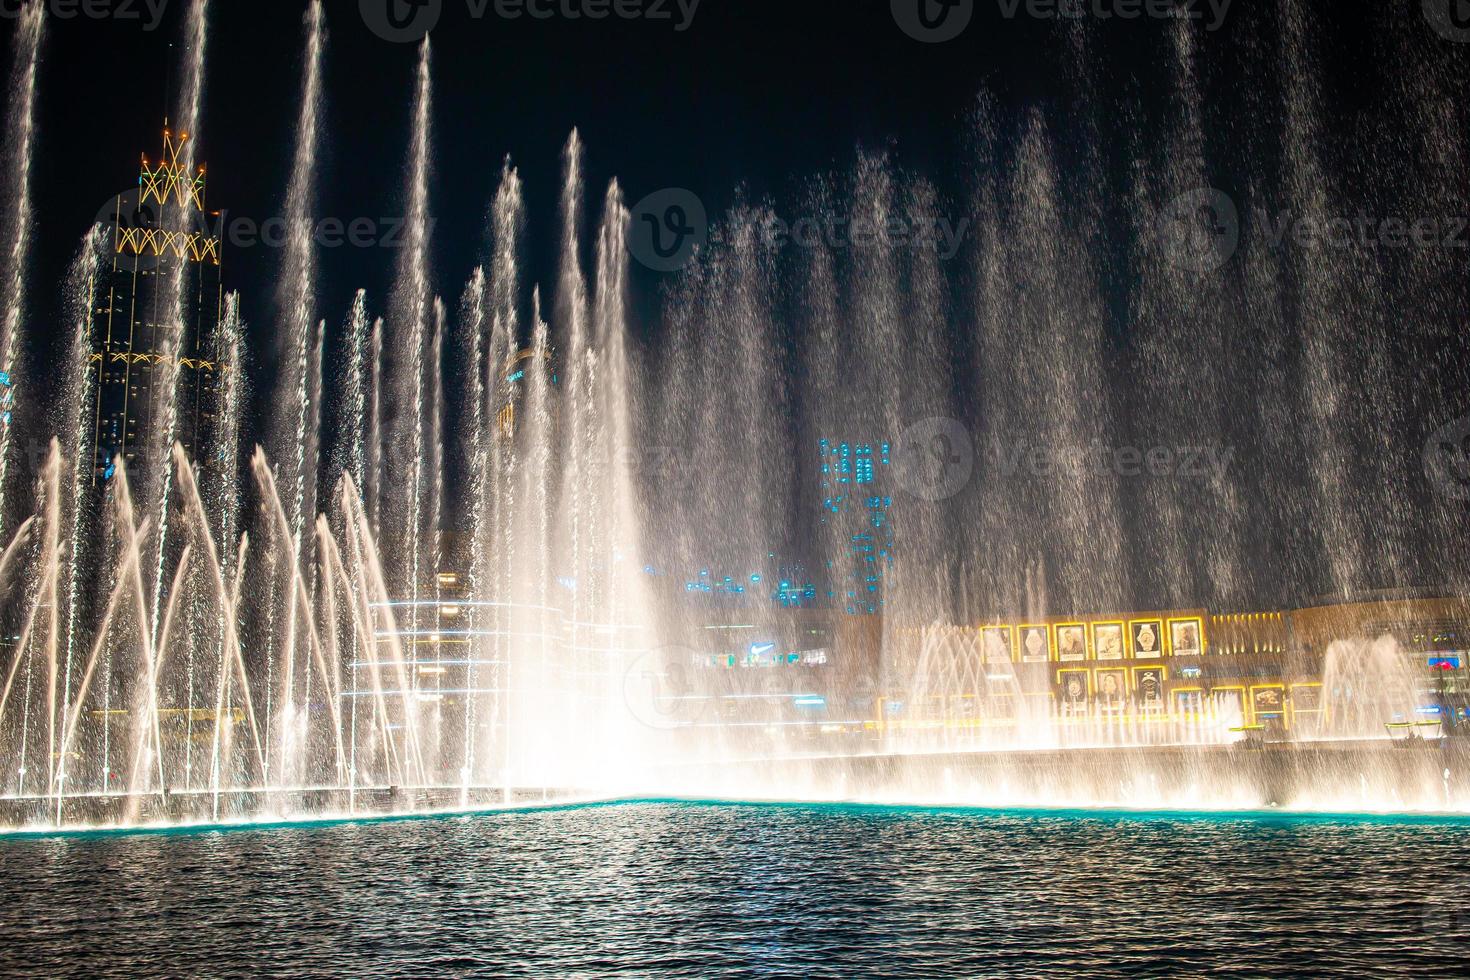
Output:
(140, 341)
(854, 479)
(790, 648)
(514, 375)
(1315, 671)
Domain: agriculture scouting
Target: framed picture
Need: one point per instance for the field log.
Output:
(1186, 637)
(1268, 702)
(1190, 701)
(1112, 689)
(1071, 642)
(1107, 641)
(1076, 690)
(1148, 687)
(1147, 638)
(998, 644)
(1306, 697)
(1035, 644)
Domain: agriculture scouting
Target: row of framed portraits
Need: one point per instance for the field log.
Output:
(1114, 688)
(1133, 639)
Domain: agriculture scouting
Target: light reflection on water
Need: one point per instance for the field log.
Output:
(672, 889)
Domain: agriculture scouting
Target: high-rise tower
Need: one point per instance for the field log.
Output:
(160, 232)
(855, 508)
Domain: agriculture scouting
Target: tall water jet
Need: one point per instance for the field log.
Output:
(372, 489)
(435, 482)
(75, 421)
(175, 298)
(222, 508)
(357, 413)
(1323, 308)
(20, 132)
(1419, 156)
(1180, 303)
(411, 311)
(297, 295)
(532, 667)
(496, 543)
(1048, 285)
(311, 467)
(1003, 559)
(355, 383)
(623, 613)
(571, 305)
(222, 492)
(434, 529)
(296, 300)
(473, 319)
(723, 325)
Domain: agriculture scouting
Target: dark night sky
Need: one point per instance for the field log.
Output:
(763, 92)
(759, 92)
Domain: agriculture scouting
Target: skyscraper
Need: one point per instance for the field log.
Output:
(855, 507)
(160, 233)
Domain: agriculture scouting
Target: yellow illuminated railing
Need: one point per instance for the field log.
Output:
(156, 243)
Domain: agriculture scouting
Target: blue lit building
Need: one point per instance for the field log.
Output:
(854, 480)
(782, 583)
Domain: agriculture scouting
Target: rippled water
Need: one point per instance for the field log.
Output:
(688, 890)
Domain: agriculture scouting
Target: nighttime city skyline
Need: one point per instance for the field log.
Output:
(584, 467)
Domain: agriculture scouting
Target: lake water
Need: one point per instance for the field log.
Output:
(716, 890)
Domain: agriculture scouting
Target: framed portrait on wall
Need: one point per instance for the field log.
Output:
(1186, 637)
(1112, 689)
(1148, 687)
(1075, 690)
(1147, 638)
(1071, 642)
(1035, 644)
(1306, 697)
(1267, 700)
(1107, 641)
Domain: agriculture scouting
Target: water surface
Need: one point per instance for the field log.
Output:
(694, 890)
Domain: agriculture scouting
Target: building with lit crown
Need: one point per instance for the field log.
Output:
(159, 234)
